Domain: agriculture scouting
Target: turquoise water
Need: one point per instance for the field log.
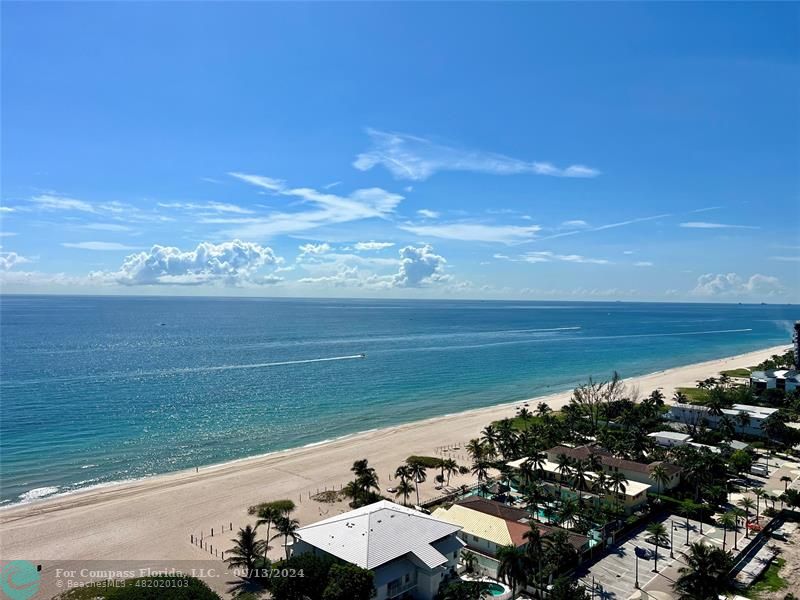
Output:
(496, 590)
(96, 389)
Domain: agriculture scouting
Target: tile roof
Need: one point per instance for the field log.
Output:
(375, 534)
(608, 459)
(517, 520)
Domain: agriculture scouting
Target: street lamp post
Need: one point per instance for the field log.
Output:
(636, 585)
(671, 538)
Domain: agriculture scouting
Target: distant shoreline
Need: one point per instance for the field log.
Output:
(106, 488)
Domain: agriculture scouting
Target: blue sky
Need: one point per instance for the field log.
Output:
(532, 151)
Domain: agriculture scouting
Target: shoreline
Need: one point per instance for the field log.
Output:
(215, 467)
(131, 482)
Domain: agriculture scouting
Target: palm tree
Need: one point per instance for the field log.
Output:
(267, 516)
(728, 521)
(287, 528)
(404, 489)
(759, 494)
(579, 478)
(450, 467)
(680, 397)
(468, 558)
(513, 568)
(403, 472)
(660, 476)
(618, 483)
(418, 473)
(476, 449)
(747, 505)
(564, 468)
(786, 481)
(490, 436)
(567, 511)
(247, 549)
(480, 469)
(705, 575)
(658, 537)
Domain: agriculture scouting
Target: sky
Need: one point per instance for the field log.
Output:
(535, 151)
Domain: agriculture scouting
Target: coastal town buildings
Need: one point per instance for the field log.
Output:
(778, 379)
(746, 418)
(486, 526)
(409, 552)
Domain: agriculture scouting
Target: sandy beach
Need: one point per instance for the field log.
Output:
(152, 519)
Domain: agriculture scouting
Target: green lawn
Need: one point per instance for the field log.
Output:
(743, 372)
(695, 395)
(770, 581)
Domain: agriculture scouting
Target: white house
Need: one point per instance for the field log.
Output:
(668, 439)
(695, 414)
(783, 379)
(409, 552)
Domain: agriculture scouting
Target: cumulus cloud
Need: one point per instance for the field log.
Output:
(730, 284)
(313, 249)
(362, 246)
(227, 263)
(416, 158)
(9, 260)
(419, 266)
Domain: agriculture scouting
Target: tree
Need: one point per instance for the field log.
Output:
(312, 584)
(534, 549)
(286, 527)
(579, 477)
(660, 476)
(618, 483)
(746, 504)
(349, 582)
(705, 576)
(759, 493)
(246, 552)
(468, 558)
(658, 537)
(565, 588)
(513, 567)
(728, 521)
(786, 481)
(740, 461)
(404, 489)
(463, 590)
(267, 515)
(418, 474)
(564, 468)
(480, 469)
(361, 488)
(450, 468)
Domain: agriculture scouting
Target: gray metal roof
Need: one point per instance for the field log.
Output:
(375, 534)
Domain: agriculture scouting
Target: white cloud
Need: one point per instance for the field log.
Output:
(731, 284)
(8, 233)
(103, 246)
(366, 246)
(604, 227)
(328, 209)
(7, 209)
(575, 224)
(629, 252)
(9, 260)
(419, 266)
(231, 263)
(475, 232)
(220, 207)
(548, 256)
(427, 213)
(313, 249)
(415, 158)
(643, 263)
(53, 202)
(107, 227)
(705, 225)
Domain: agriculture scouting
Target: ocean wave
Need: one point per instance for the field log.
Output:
(37, 493)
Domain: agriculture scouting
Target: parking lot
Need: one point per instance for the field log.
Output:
(614, 576)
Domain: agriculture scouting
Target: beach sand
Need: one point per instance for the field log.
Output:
(152, 519)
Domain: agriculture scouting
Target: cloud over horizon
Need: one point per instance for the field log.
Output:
(416, 159)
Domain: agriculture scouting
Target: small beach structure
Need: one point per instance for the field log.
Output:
(668, 439)
(411, 553)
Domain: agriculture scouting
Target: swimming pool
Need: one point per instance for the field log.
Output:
(495, 589)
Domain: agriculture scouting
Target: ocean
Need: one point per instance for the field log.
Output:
(101, 389)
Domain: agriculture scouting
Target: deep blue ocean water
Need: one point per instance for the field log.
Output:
(101, 389)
